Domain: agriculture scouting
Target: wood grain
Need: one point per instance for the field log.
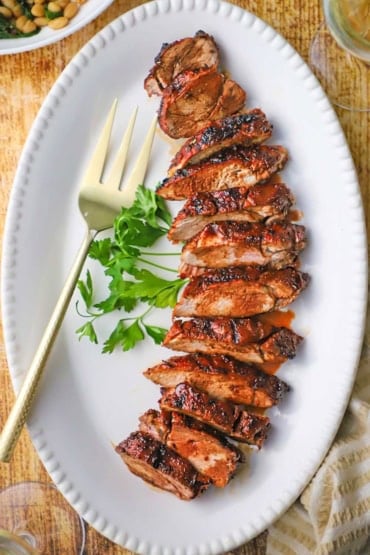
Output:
(26, 79)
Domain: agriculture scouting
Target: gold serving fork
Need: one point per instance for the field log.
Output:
(99, 205)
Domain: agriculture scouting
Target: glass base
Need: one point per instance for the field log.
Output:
(39, 516)
(15, 545)
(345, 79)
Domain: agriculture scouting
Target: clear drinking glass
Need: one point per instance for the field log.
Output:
(340, 53)
(35, 519)
(10, 544)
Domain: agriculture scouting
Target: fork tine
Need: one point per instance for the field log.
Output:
(139, 170)
(115, 175)
(95, 167)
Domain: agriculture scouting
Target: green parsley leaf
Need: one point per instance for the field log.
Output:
(115, 302)
(119, 297)
(119, 265)
(150, 206)
(125, 337)
(163, 212)
(87, 330)
(168, 296)
(115, 338)
(133, 335)
(140, 224)
(156, 333)
(86, 289)
(155, 290)
(129, 284)
(101, 250)
(137, 232)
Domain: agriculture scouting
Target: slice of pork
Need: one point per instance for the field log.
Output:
(188, 53)
(249, 129)
(161, 466)
(208, 451)
(232, 337)
(226, 417)
(240, 292)
(195, 98)
(225, 244)
(238, 166)
(267, 201)
(222, 377)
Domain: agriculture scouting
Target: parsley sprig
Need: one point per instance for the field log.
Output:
(130, 282)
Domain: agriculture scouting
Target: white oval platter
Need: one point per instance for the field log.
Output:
(87, 13)
(90, 401)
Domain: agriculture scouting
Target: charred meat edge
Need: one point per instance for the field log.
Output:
(208, 451)
(222, 377)
(262, 201)
(178, 56)
(232, 337)
(224, 244)
(194, 99)
(226, 417)
(237, 166)
(240, 292)
(159, 465)
(248, 129)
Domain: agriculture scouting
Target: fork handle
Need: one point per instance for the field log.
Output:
(18, 414)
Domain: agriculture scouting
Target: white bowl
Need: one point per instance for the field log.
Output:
(88, 11)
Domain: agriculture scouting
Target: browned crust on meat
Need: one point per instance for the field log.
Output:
(248, 129)
(229, 243)
(200, 426)
(267, 200)
(231, 100)
(195, 98)
(206, 449)
(188, 271)
(159, 465)
(291, 278)
(237, 166)
(178, 56)
(239, 198)
(222, 377)
(228, 418)
(245, 339)
(238, 331)
(155, 423)
(280, 346)
(240, 292)
(210, 453)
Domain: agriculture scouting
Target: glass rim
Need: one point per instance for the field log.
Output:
(352, 45)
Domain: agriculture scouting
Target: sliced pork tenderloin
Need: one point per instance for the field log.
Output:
(176, 57)
(224, 416)
(240, 292)
(267, 201)
(222, 377)
(207, 450)
(194, 99)
(161, 466)
(248, 129)
(238, 166)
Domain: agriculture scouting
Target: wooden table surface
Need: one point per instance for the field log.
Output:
(26, 78)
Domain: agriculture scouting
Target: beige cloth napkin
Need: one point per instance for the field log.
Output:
(332, 515)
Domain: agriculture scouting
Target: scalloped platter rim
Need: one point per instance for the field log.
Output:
(90, 401)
